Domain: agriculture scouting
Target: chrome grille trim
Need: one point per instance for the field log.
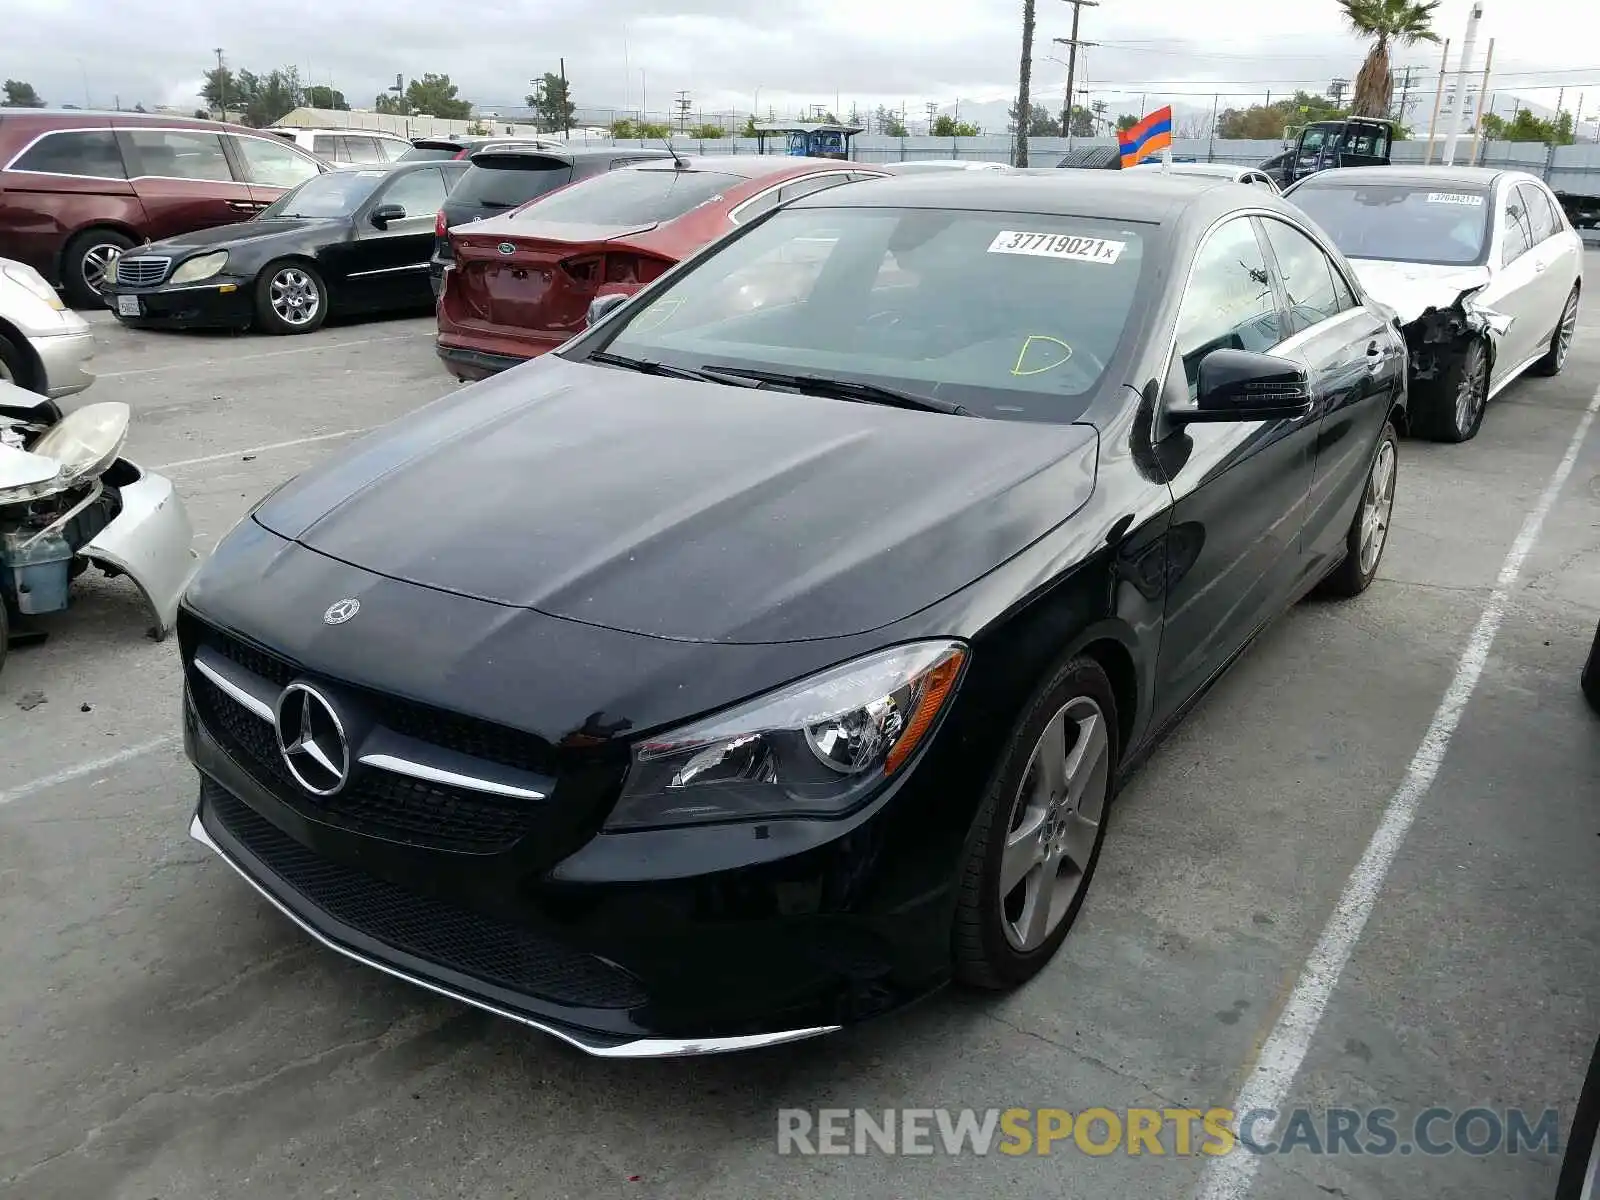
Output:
(142, 270)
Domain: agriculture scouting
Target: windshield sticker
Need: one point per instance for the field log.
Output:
(1057, 245)
(1455, 198)
(1051, 353)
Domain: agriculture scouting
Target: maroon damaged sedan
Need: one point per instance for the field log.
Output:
(77, 188)
(522, 283)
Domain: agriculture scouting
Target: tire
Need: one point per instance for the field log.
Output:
(85, 260)
(1591, 674)
(1453, 412)
(1369, 528)
(14, 365)
(1561, 340)
(994, 945)
(1580, 1164)
(290, 297)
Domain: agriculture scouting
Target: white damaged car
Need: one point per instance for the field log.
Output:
(1481, 268)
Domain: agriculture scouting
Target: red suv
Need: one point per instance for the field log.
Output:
(78, 188)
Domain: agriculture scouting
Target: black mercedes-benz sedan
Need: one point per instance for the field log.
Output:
(355, 240)
(771, 653)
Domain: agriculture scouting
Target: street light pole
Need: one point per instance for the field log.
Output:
(222, 85)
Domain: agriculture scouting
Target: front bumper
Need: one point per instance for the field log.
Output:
(64, 358)
(221, 303)
(151, 542)
(471, 365)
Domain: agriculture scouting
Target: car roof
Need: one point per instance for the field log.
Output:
(1216, 170)
(574, 154)
(1406, 176)
(1154, 198)
(753, 166)
(293, 129)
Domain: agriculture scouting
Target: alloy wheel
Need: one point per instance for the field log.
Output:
(1473, 388)
(100, 264)
(1377, 507)
(294, 296)
(1569, 325)
(1055, 824)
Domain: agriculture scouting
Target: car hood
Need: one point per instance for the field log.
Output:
(686, 510)
(1411, 289)
(240, 235)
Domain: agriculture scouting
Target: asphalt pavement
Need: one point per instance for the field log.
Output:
(166, 1035)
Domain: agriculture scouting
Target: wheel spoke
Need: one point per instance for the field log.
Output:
(1033, 925)
(1081, 833)
(1050, 773)
(1087, 753)
(1023, 851)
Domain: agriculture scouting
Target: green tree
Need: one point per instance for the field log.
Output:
(220, 87)
(392, 104)
(551, 101)
(708, 132)
(1262, 122)
(271, 96)
(1126, 122)
(1525, 127)
(750, 130)
(888, 123)
(20, 94)
(326, 97)
(945, 125)
(1082, 122)
(1386, 23)
(435, 96)
(1041, 121)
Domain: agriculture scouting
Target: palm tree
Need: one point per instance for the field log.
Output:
(1024, 79)
(1401, 22)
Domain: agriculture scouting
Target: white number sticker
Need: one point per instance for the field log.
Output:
(1069, 246)
(1455, 198)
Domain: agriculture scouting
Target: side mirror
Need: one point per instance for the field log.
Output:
(1239, 385)
(384, 213)
(601, 305)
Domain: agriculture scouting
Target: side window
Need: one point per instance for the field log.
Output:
(389, 150)
(1519, 236)
(361, 150)
(180, 154)
(326, 146)
(1229, 303)
(1307, 276)
(1541, 220)
(275, 164)
(751, 209)
(420, 193)
(90, 152)
(1341, 289)
(811, 183)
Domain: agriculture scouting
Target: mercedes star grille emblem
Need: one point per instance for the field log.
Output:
(311, 740)
(341, 612)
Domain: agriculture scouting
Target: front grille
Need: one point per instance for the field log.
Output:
(373, 802)
(141, 270)
(475, 945)
(451, 731)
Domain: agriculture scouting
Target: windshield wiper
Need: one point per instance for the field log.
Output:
(647, 366)
(841, 389)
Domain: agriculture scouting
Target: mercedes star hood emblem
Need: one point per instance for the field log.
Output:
(340, 612)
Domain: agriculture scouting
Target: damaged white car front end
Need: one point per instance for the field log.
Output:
(1439, 308)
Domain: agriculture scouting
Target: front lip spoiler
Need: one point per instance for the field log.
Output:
(638, 1048)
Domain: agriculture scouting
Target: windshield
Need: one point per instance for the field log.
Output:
(1438, 224)
(508, 180)
(632, 196)
(336, 194)
(1010, 315)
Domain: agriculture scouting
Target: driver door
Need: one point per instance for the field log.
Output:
(1239, 489)
(388, 267)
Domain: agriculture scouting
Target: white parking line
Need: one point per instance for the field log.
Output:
(68, 774)
(1229, 1177)
(238, 358)
(305, 441)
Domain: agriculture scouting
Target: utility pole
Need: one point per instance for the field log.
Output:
(1405, 96)
(1099, 110)
(1336, 90)
(932, 108)
(1072, 43)
(566, 121)
(222, 85)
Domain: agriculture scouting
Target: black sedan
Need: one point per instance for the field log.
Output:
(354, 240)
(503, 178)
(770, 654)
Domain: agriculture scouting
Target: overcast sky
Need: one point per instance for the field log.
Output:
(725, 52)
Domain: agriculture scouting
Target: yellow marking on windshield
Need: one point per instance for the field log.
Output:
(1064, 351)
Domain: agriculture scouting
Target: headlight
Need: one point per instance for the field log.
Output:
(200, 268)
(27, 277)
(87, 441)
(818, 747)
